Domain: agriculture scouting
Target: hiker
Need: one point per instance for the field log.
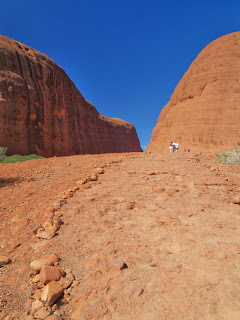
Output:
(171, 147)
(177, 145)
(174, 146)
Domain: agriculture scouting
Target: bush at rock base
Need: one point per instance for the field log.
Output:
(3, 151)
(229, 157)
(17, 158)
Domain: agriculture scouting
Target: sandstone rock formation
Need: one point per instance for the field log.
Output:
(41, 110)
(204, 110)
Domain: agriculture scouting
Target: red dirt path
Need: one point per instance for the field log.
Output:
(171, 220)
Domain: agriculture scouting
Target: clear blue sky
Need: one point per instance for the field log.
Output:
(124, 56)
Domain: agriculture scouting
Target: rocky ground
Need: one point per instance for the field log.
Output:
(123, 236)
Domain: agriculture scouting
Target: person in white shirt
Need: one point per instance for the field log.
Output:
(175, 146)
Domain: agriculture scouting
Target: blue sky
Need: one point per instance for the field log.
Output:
(125, 57)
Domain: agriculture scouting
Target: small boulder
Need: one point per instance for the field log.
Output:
(52, 292)
(57, 222)
(94, 178)
(70, 276)
(129, 205)
(48, 274)
(237, 199)
(82, 181)
(36, 305)
(48, 225)
(43, 313)
(36, 265)
(70, 193)
(36, 278)
(100, 170)
(75, 283)
(4, 260)
(64, 301)
(65, 282)
(97, 171)
(152, 173)
(47, 234)
(37, 294)
(53, 257)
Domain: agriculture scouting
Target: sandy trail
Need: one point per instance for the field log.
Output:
(175, 228)
(156, 237)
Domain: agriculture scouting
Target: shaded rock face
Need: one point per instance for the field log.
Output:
(41, 110)
(204, 110)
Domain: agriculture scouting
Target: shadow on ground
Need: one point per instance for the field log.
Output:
(9, 181)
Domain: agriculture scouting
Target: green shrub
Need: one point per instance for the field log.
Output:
(17, 158)
(197, 159)
(222, 157)
(229, 157)
(3, 151)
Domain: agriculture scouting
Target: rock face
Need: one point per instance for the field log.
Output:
(41, 110)
(204, 110)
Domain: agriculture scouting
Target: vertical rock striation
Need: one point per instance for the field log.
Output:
(41, 110)
(204, 110)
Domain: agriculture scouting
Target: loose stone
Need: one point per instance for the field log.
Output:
(52, 292)
(36, 265)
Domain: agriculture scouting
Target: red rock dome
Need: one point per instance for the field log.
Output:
(204, 110)
(41, 110)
